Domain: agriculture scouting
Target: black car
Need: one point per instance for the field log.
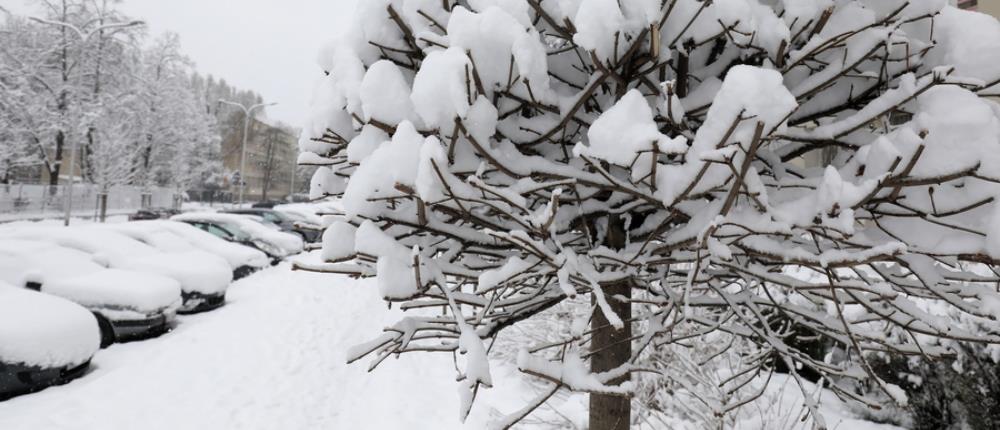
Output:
(153, 213)
(233, 233)
(309, 233)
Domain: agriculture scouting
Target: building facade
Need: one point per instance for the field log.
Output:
(991, 7)
(272, 153)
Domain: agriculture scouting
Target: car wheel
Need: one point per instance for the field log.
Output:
(243, 271)
(107, 331)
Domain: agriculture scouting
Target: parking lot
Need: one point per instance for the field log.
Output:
(273, 357)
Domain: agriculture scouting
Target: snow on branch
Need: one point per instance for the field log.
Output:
(772, 171)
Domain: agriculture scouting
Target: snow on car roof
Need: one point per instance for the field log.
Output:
(162, 234)
(73, 275)
(116, 289)
(45, 331)
(197, 271)
(91, 240)
(289, 242)
(24, 261)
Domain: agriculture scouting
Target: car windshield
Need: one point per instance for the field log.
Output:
(294, 216)
(238, 233)
(276, 217)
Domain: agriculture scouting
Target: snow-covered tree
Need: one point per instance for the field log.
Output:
(79, 72)
(655, 162)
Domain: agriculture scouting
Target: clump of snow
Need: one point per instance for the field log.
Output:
(962, 132)
(625, 131)
(439, 91)
(397, 275)
(365, 143)
(393, 162)
(597, 22)
(325, 182)
(749, 96)
(45, 331)
(385, 94)
(338, 241)
(968, 40)
(572, 371)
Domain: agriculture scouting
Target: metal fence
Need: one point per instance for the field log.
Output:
(28, 201)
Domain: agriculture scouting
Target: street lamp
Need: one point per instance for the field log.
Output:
(246, 130)
(83, 38)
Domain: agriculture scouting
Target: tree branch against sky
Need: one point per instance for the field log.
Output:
(647, 165)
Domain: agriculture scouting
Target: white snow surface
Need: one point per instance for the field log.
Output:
(45, 331)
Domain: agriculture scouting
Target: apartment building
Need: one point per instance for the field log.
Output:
(272, 152)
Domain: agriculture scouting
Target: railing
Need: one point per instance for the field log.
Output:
(29, 201)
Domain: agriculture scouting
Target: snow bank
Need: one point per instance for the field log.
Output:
(45, 331)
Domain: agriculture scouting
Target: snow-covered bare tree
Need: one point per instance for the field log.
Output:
(657, 158)
(14, 100)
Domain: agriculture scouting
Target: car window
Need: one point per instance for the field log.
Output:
(237, 233)
(218, 231)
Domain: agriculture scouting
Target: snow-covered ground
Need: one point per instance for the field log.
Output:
(274, 357)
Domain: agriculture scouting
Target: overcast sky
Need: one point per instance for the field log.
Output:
(268, 46)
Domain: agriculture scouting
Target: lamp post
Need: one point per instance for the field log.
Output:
(68, 199)
(246, 129)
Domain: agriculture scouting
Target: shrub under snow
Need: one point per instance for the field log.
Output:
(659, 158)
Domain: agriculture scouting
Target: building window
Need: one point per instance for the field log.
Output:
(968, 4)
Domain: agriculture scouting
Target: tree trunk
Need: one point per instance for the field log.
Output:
(611, 348)
(56, 167)
(102, 204)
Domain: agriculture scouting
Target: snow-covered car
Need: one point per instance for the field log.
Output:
(243, 229)
(44, 341)
(172, 236)
(203, 277)
(288, 223)
(129, 305)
